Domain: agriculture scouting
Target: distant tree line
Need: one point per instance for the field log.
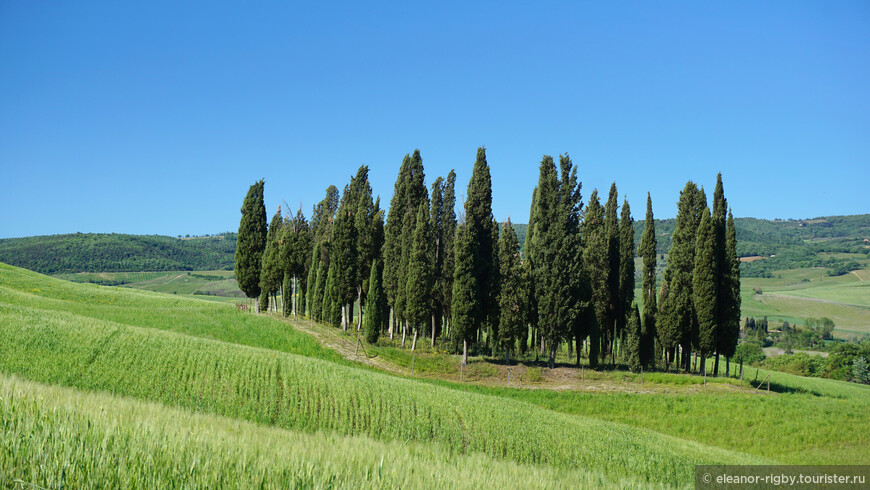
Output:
(465, 281)
(93, 252)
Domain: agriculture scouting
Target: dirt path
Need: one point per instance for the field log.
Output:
(561, 378)
(857, 275)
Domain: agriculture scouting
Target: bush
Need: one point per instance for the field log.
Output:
(748, 353)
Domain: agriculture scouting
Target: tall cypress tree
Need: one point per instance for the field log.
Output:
(251, 241)
(704, 288)
(376, 304)
(731, 292)
(722, 267)
(332, 297)
(626, 268)
(478, 224)
(613, 310)
(647, 251)
(633, 336)
(321, 256)
(596, 260)
(512, 290)
(528, 273)
(323, 215)
(443, 224)
(393, 237)
(420, 277)
(271, 271)
(344, 250)
(558, 273)
(679, 320)
(465, 301)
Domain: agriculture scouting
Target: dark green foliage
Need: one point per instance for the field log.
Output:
(443, 224)
(597, 264)
(323, 215)
(748, 353)
(376, 304)
(272, 271)
(529, 274)
(678, 323)
(479, 230)
(286, 301)
(296, 248)
(633, 339)
(626, 267)
(560, 282)
(647, 251)
(730, 293)
(705, 285)
(90, 252)
(320, 263)
(465, 300)
(611, 326)
(344, 248)
(420, 276)
(251, 241)
(512, 290)
(331, 308)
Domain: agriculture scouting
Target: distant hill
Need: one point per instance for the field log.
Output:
(835, 242)
(91, 252)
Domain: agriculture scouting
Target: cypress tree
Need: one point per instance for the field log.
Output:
(679, 303)
(443, 224)
(558, 273)
(321, 256)
(332, 298)
(251, 241)
(512, 290)
(324, 214)
(478, 224)
(597, 264)
(368, 245)
(612, 329)
(528, 273)
(731, 292)
(647, 251)
(626, 267)
(376, 304)
(465, 305)
(421, 280)
(704, 288)
(722, 267)
(271, 271)
(344, 251)
(633, 337)
(393, 237)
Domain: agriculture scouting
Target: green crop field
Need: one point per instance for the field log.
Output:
(219, 285)
(268, 404)
(797, 294)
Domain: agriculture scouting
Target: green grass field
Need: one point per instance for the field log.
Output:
(219, 285)
(299, 413)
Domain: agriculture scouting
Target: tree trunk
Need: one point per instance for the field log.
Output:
(727, 366)
(433, 330)
(404, 331)
(703, 363)
(257, 304)
(570, 347)
(350, 314)
(392, 323)
(359, 307)
(293, 297)
(507, 356)
(716, 366)
(552, 355)
(344, 317)
(414, 341)
(464, 352)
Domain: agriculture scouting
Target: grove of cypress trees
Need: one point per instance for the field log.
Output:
(512, 290)
(647, 251)
(251, 241)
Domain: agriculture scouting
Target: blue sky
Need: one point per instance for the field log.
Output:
(155, 117)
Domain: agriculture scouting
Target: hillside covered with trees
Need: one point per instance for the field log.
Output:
(93, 252)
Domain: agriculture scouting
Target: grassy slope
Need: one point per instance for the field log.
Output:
(52, 436)
(805, 420)
(33, 306)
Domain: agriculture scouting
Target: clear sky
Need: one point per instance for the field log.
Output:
(155, 117)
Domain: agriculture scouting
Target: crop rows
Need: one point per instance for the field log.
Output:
(313, 395)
